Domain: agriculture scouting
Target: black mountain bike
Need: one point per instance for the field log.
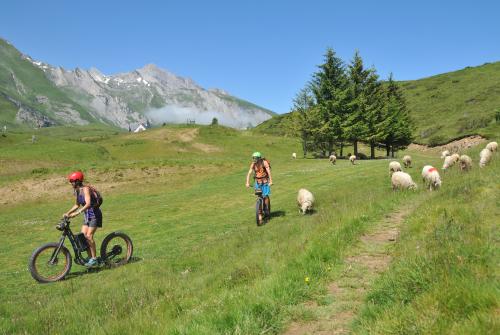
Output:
(262, 210)
(52, 261)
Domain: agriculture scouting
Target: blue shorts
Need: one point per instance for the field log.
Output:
(266, 189)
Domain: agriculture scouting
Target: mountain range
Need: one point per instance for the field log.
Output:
(38, 94)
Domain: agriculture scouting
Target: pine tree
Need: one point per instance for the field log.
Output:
(355, 126)
(397, 127)
(329, 86)
(299, 124)
(374, 111)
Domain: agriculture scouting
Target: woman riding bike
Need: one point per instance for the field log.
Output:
(87, 204)
(262, 175)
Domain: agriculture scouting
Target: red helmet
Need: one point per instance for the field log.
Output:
(76, 176)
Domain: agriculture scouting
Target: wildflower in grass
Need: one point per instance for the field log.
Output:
(306, 279)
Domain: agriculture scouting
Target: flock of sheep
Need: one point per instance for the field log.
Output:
(402, 180)
(430, 175)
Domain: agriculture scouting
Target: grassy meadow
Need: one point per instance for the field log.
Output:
(202, 266)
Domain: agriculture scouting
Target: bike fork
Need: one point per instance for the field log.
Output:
(53, 258)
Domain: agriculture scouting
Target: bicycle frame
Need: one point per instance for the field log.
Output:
(79, 259)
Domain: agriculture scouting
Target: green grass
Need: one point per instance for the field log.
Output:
(454, 104)
(188, 209)
(445, 277)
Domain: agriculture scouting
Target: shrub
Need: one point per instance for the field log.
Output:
(436, 140)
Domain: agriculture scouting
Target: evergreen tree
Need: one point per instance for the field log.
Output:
(397, 126)
(298, 124)
(329, 86)
(355, 126)
(374, 111)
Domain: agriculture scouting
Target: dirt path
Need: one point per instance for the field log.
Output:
(455, 146)
(362, 266)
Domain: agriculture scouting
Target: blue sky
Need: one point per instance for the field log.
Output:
(261, 51)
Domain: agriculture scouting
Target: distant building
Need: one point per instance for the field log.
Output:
(140, 128)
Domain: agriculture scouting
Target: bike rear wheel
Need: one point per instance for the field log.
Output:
(46, 267)
(116, 249)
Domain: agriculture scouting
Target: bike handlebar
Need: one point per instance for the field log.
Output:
(63, 223)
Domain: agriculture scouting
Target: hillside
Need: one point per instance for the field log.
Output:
(38, 94)
(202, 266)
(445, 106)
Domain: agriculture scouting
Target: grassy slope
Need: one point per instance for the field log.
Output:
(444, 279)
(455, 104)
(241, 279)
(446, 106)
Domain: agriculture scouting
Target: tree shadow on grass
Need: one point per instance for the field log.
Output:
(94, 270)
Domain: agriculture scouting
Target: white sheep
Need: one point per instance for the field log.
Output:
(465, 163)
(305, 201)
(332, 159)
(352, 159)
(445, 153)
(407, 161)
(449, 161)
(294, 155)
(402, 180)
(431, 178)
(492, 146)
(484, 157)
(394, 167)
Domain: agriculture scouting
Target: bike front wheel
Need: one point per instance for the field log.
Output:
(259, 213)
(116, 249)
(47, 265)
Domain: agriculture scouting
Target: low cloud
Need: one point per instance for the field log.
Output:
(181, 114)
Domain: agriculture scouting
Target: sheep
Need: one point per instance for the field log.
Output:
(484, 157)
(431, 178)
(449, 161)
(332, 159)
(492, 146)
(456, 157)
(407, 161)
(305, 201)
(352, 159)
(294, 155)
(445, 153)
(394, 167)
(402, 180)
(465, 163)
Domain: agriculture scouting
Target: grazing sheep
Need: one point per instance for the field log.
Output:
(294, 155)
(456, 157)
(465, 163)
(394, 167)
(332, 159)
(407, 161)
(352, 159)
(484, 157)
(449, 161)
(445, 153)
(492, 146)
(305, 201)
(431, 178)
(402, 180)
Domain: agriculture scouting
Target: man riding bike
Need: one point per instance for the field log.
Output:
(262, 175)
(85, 203)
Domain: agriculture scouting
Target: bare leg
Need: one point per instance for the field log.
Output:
(89, 234)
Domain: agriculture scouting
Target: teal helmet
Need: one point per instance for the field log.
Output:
(256, 155)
